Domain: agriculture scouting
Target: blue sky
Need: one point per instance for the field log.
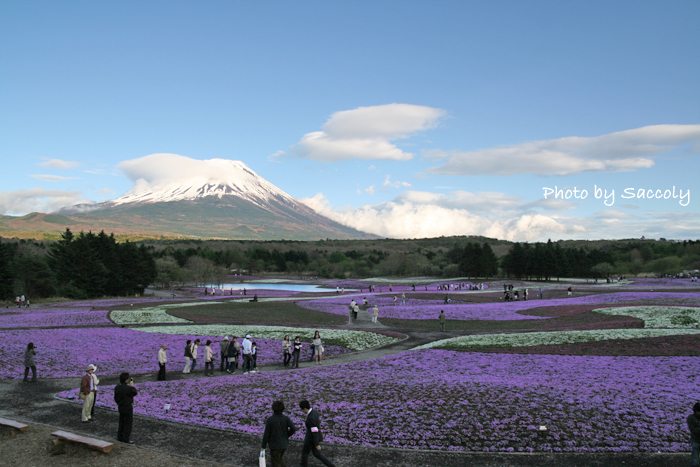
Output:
(406, 119)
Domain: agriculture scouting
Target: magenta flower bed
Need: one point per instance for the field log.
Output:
(436, 399)
(35, 318)
(67, 352)
(109, 302)
(496, 311)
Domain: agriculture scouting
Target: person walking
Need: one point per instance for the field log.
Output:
(313, 437)
(124, 394)
(296, 352)
(278, 429)
(403, 299)
(208, 360)
(286, 350)
(247, 354)
(541, 294)
(188, 356)
(162, 360)
(194, 350)
(318, 346)
(233, 351)
(375, 313)
(223, 346)
(254, 356)
(441, 319)
(29, 362)
(355, 311)
(87, 392)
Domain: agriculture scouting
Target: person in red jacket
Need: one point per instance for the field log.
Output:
(88, 388)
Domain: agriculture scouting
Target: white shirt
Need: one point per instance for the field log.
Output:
(247, 346)
(162, 358)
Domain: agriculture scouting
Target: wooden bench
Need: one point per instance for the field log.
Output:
(97, 444)
(16, 426)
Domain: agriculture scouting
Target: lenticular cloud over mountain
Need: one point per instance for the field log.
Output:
(171, 177)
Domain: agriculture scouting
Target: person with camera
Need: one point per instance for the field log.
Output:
(124, 394)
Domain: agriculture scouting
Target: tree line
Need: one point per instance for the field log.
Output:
(81, 266)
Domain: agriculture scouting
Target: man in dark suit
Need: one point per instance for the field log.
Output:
(278, 429)
(313, 438)
(124, 397)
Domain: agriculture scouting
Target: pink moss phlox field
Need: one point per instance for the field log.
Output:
(67, 352)
(496, 311)
(53, 319)
(436, 399)
(107, 302)
(657, 283)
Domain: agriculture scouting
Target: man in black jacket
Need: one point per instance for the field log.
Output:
(313, 436)
(278, 429)
(124, 397)
(694, 427)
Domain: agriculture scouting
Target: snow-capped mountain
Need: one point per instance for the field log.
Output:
(224, 200)
(233, 178)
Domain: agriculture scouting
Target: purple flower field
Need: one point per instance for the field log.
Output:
(55, 318)
(437, 399)
(496, 311)
(67, 352)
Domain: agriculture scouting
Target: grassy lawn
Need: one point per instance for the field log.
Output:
(261, 313)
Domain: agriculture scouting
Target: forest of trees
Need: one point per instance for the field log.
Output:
(79, 266)
(94, 265)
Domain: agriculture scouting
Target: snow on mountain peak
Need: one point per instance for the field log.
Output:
(170, 177)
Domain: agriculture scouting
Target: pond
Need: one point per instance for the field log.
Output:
(272, 286)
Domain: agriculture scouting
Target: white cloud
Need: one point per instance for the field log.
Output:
(96, 171)
(367, 133)
(52, 178)
(59, 164)
(370, 190)
(628, 150)
(397, 184)
(20, 202)
(420, 214)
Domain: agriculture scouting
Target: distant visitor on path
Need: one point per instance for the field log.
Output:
(234, 349)
(162, 360)
(223, 350)
(694, 427)
(278, 429)
(208, 360)
(375, 313)
(313, 437)
(318, 347)
(188, 356)
(286, 351)
(296, 351)
(247, 349)
(194, 348)
(568, 291)
(124, 394)
(441, 319)
(88, 389)
(29, 362)
(541, 294)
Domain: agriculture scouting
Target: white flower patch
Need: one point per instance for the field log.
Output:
(552, 338)
(355, 340)
(150, 315)
(659, 316)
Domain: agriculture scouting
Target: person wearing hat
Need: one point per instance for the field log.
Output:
(162, 360)
(247, 354)
(88, 388)
(223, 346)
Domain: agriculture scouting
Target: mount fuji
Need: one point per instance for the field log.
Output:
(225, 200)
